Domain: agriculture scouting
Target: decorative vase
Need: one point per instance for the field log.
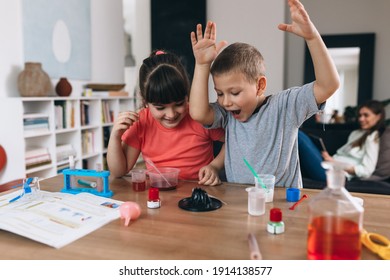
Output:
(63, 87)
(33, 81)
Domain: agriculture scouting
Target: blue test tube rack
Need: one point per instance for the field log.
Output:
(103, 175)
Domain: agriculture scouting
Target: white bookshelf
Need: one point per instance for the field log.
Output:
(86, 139)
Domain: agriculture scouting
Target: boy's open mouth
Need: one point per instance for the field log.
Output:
(236, 112)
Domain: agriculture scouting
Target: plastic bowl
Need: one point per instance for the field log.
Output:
(157, 181)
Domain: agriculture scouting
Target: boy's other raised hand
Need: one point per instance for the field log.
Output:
(204, 45)
(301, 24)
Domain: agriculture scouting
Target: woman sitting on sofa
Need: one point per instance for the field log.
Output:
(360, 152)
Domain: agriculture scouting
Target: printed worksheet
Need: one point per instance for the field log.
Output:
(55, 218)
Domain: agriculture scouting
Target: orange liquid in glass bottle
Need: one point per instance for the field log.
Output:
(333, 238)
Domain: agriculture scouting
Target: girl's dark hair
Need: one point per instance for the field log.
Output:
(163, 79)
(378, 109)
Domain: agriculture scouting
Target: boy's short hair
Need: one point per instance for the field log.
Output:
(242, 58)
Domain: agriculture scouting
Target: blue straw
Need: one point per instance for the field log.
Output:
(26, 189)
(255, 174)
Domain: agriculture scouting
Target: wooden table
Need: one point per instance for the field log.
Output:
(172, 233)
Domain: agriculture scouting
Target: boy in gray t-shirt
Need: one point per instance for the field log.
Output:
(262, 129)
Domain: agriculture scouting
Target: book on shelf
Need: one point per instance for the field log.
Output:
(106, 136)
(36, 131)
(104, 93)
(64, 114)
(38, 159)
(118, 93)
(107, 114)
(62, 167)
(85, 164)
(41, 162)
(35, 123)
(84, 112)
(105, 164)
(59, 116)
(35, 116)
(37, 156)
(37, 126)
(63, 152)
(87, 142)
(34, 151)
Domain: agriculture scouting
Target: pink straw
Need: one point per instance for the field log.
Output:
(254, 248)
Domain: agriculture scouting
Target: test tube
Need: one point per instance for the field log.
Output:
(87, 183)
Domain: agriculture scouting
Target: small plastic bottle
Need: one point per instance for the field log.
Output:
(335, 220)
(275, 224)
(154, 199)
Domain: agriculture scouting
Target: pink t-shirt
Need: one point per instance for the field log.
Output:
(188, 146)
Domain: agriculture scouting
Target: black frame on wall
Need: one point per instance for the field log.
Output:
(366, 43)
(172, 23)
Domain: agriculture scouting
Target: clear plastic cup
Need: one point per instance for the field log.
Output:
(269, 182)
(138, 179)
(166, 178)
(256, 201)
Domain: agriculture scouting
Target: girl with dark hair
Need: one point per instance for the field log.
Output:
(163, 130)
(360, 152)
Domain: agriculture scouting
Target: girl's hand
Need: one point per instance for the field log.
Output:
(208, 176)
(203, 45)
(326, 156)
(123, 122)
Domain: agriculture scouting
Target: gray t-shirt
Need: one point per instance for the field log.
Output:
(268, 139)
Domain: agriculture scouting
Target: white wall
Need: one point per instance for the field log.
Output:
(12, 144)
(11, 47)
(142, 31)
(106, 40)
(107, 57)
(347, 16)
(254, 22)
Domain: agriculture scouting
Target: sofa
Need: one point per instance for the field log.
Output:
(334, 136)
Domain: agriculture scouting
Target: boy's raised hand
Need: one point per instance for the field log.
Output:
(301, 24)
(203, 45)
(327, 80)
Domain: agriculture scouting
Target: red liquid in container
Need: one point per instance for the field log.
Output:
(162, 187)
(333, 238)
(139, 186)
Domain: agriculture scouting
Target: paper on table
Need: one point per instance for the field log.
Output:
(56, 219)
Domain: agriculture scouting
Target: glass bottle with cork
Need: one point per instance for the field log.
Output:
(335, 219)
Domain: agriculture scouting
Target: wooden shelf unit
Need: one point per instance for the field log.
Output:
(85, 127)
